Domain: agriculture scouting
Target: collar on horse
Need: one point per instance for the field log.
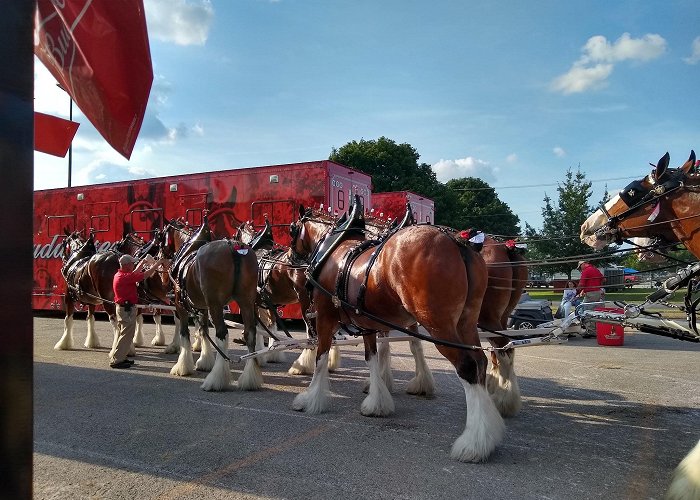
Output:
(263, 239)
(351, 225)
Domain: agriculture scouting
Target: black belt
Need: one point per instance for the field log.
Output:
(126, 305)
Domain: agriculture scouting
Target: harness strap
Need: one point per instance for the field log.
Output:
(392, 326)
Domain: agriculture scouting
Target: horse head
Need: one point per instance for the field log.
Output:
(308, 231)
(74, 245)
(638, 210)
(173, 236)
(245, 232)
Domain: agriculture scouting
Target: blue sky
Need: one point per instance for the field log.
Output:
(512, 92)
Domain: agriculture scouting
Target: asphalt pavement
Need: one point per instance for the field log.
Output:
(596, 422)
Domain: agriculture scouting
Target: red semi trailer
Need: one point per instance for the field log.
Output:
(393, 205)
(142, 206)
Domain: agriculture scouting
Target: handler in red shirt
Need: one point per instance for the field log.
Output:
(126, 296)
(589, 288)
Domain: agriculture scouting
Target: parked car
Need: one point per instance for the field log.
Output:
(538, 281)
(530, 313)
(631, 277)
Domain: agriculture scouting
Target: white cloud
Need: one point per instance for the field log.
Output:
(559, 152)
(183, 22)
(512, 158)
(600, 56)
(48, 97)
(695, 52)
(464, 167)
(100, 171)
(579, 79)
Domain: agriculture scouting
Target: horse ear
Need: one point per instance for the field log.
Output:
(302, 210)
(662, 166)
(688, 165)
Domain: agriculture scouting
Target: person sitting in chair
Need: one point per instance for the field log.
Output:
(567, 299)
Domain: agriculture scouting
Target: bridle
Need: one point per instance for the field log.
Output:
(649, 195)
(297, 231)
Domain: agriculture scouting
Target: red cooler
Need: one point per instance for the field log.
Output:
(610, 334)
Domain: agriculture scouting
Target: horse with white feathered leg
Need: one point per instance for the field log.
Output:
(400, 284)
(508, 275)
(88, 276)
(208, 275)
(173, 236)
(281, 281)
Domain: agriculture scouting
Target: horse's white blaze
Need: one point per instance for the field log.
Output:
(251, 379)
(502, 384)
(315, 398)
(304, 364)
(423, 382)
(91, 341)
(594, 222)
(484, 428)
(207, 357)
(174, 346)
(685, 484)
(159, 338)
(185, 362)
(66, 340)
(219, 377)
(138, 336)
(378, 402)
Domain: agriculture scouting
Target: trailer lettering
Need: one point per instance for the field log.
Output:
(54, 249)
(46, 251)
(103, 246)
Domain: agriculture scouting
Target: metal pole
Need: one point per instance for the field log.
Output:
(70, 148)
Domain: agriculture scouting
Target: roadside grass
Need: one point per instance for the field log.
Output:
(631, 295)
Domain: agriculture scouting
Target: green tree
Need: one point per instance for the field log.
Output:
(393, 167)
(561, 223)
(480, 208)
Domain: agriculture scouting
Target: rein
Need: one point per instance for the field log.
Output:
(392, 326)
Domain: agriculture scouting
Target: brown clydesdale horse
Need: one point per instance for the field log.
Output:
(404, 284)
(282, 281)
(89, 277)
(207, 276)
(661, 206)
(507, 276)
(665, 203)
(507, 273)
